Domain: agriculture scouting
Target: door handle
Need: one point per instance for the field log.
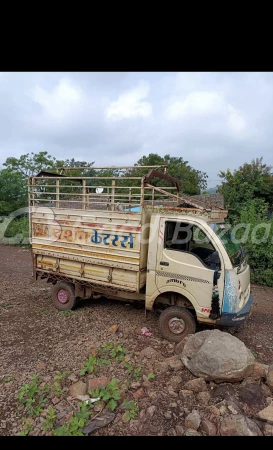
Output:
(164, 263)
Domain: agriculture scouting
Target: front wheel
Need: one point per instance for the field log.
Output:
(176, 323)
(63, 296)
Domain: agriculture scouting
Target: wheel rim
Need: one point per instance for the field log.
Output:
(176, 325)
(62, 296)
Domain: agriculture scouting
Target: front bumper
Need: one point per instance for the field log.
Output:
(233, 320)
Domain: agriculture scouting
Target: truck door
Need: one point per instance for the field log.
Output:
(183, 261)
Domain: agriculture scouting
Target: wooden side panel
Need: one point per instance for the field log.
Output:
(95, 246)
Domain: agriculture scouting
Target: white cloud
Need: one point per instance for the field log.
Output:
(200, 103)
(61, 101)
(130, 104)
(236, 121)
(206, 106)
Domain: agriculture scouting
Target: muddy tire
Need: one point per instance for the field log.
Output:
(63, 296)
(176, 323)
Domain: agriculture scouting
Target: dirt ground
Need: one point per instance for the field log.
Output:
(35, 339)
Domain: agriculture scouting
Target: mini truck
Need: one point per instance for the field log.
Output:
(124, 238)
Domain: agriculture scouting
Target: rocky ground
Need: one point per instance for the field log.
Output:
(155, 394)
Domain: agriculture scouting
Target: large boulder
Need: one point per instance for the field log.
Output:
(215, 355)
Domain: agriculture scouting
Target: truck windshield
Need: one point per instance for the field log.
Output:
(234, 250)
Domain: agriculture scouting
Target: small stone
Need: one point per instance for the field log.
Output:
(139, 394)
(135, 385)
(223, 410)
(147, 384)
(269, 400)
(209, 428)
(150, 411)
(150, 353)
(76, 389)
(223, 391)
(232, 409)
(252, 395)
(180, 431)
(203, 397)
(73, 378)
(196, 385)
(41, 366)
(193, 420)
(161, 367)
(168, 415)
(153, 395)
(175, 381)
(175, 363)
(259, 371)
(267, 413)
(187, 397)
(191, 432)
(268, 429)
(94, 383)
(142, 415)
(113, 329)
(55, 400)
(239, 425)
(153, 428)
(213, 410)
(47, 379)
(265, 390)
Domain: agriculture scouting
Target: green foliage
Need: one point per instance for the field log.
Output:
(67, 313)
(57, 388)
(150, 376)
(13, 191)
(76, 423)
(109, 394)
(118, 352)
(135, 373)
(258, 246)
(191, 180)
(30, 164)
(32, 397)
(6, 379)
(19, 225)
(50, 419)
(250, 181)
(90, 365)
(131, 409)
(5, 305)
(60, 375)
(28, 427)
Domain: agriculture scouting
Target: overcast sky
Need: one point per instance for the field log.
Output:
(213, 120)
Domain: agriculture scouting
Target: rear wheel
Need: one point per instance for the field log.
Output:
(63, 296)
(176, 323)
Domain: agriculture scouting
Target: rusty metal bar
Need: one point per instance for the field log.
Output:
(57, 193)
(114, 167)
(113, 195)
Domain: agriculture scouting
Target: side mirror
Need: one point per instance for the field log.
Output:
(215, 258)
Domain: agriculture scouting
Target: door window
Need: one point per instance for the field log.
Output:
(185, 237)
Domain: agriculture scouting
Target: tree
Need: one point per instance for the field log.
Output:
(191, 180)
(31, 163)
(13, 191)
(249, 181)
